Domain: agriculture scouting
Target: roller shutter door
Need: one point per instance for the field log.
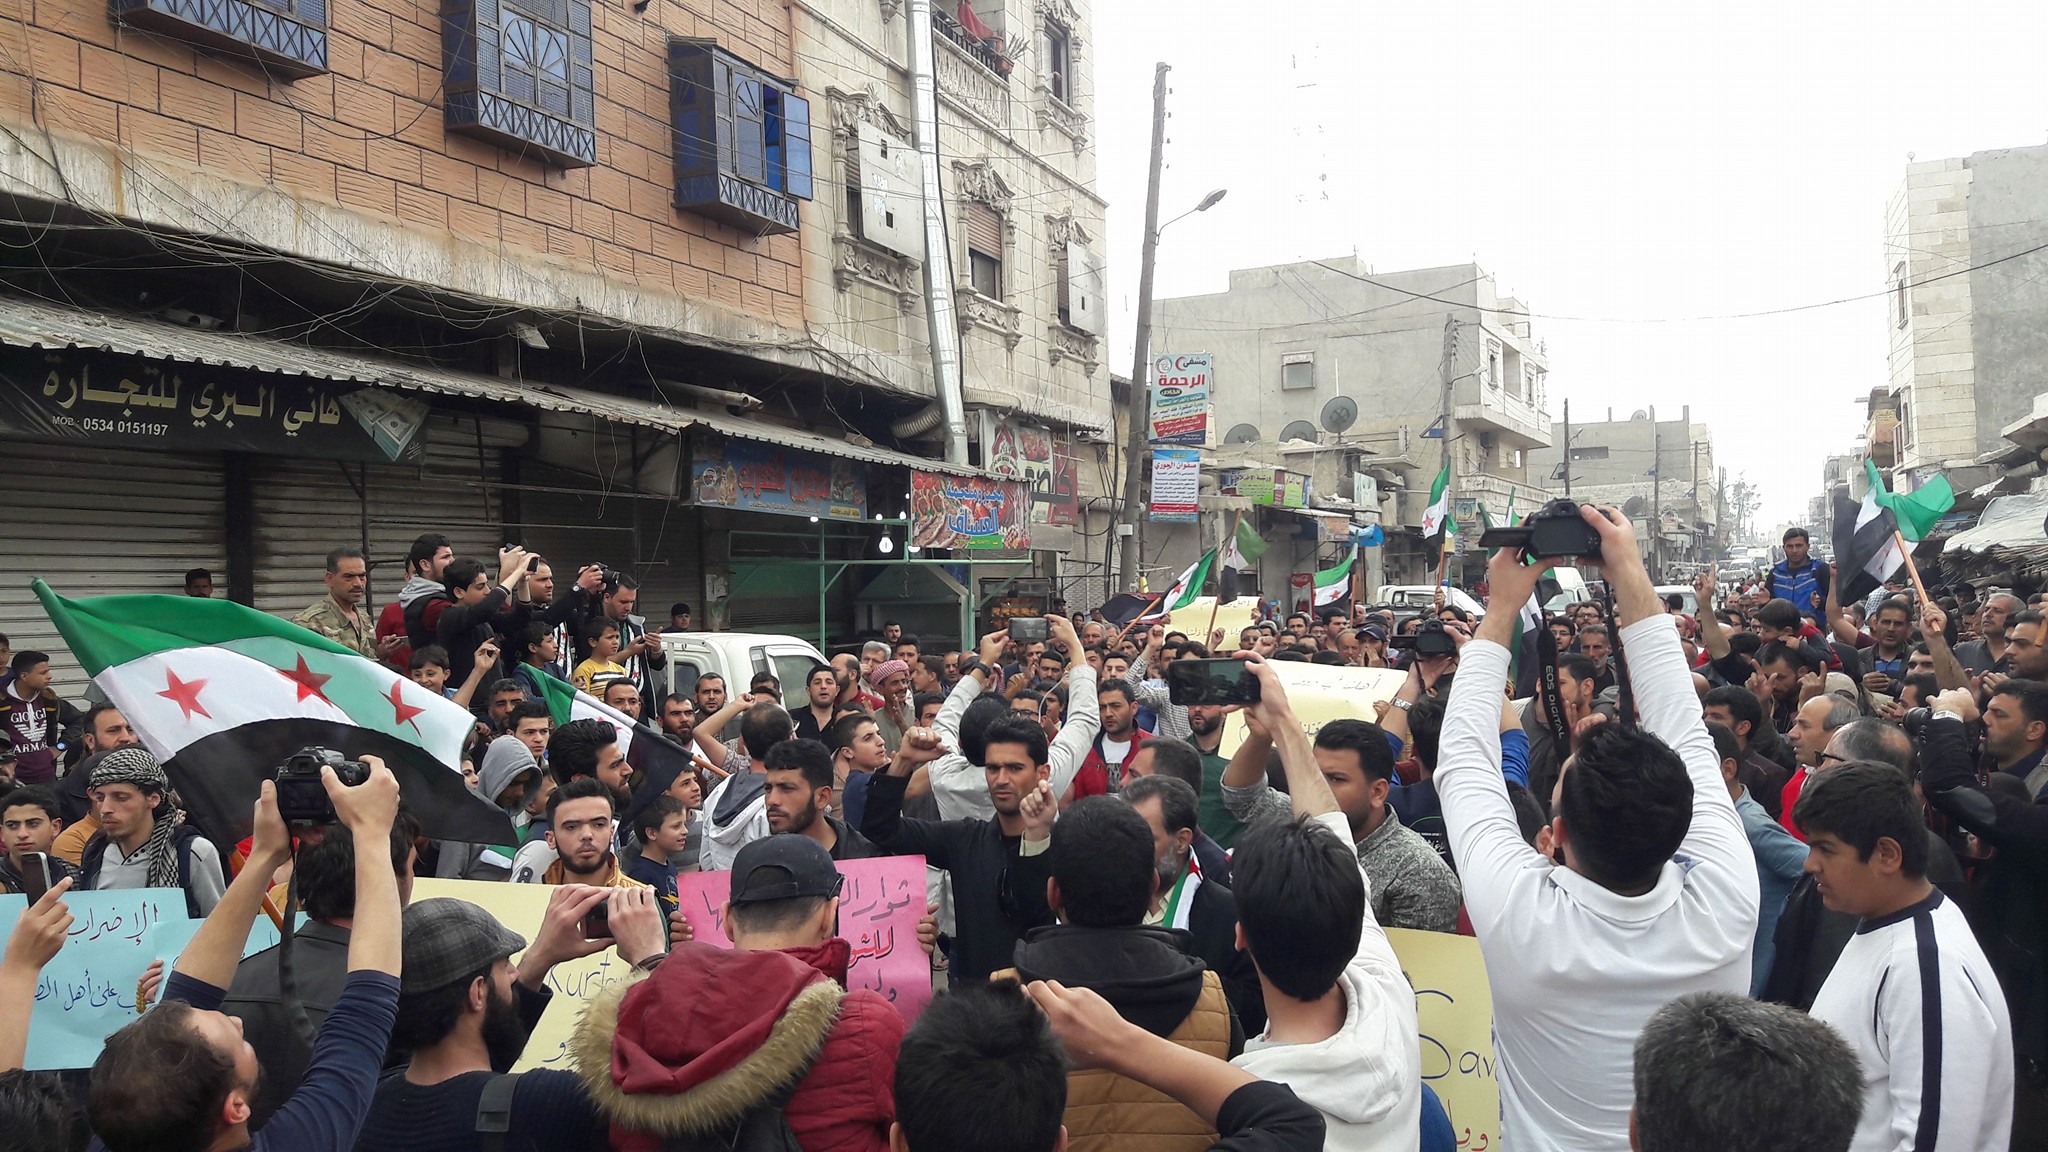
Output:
(101, 522)
(587, 525)
(306, 508)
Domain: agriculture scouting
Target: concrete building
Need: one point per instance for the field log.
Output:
(608, 280)
(1654, 470)
(1332, 370)
(1969, 312)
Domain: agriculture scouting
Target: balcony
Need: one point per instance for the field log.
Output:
(1481, 406)
(1883, 435)
(986, 52)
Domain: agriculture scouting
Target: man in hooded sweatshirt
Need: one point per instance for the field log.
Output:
(508, 772)
(716, 1035)
(1104, 876)
(1341, 1025)
(405, 617)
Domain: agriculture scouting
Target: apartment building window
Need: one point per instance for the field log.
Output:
(1298, 370)
(985, 249)
(1902, 306)
(883, 196)
(1059, 52)
(288, 38)
(1591, 452)
(520, 75)
(1493, 363)
(742, 139)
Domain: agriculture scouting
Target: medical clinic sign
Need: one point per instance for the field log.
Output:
(1180, 399)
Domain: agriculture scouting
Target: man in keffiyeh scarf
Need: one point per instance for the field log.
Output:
(143, 845)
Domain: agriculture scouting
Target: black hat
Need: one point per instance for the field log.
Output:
(785, 867)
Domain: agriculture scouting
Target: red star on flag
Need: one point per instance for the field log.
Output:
(185, 693)
(309, 682)
(405, 711)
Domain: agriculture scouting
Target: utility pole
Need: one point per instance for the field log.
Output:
(1446, 371)
(1567, 447)
(1134, 510)
(1695, 476)
(1656, 496)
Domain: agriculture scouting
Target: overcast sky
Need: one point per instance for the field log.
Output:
(1633, 166)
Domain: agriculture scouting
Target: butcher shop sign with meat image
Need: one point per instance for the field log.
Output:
(968, 512)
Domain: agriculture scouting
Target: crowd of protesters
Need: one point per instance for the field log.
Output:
(1760, 876)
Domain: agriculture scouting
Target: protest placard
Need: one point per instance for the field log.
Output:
(1454, 1006)
(88, 992)
(521, 907)
(879, 908)
(1320, 693)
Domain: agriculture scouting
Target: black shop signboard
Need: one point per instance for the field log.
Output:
(111, 400)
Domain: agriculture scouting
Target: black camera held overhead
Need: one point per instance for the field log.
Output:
(1430, 638)
(301, 796)
(1556, 529)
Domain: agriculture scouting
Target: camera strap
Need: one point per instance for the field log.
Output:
(1625, 698)
(1553, 696)
(287, 981)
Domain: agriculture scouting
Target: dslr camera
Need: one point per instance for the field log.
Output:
(1556, 529)
(301, 797)
(1430, 639)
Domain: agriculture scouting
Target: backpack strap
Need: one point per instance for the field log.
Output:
(494, 1111)
(186, 834)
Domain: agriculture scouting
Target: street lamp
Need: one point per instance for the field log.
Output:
(1141, 356)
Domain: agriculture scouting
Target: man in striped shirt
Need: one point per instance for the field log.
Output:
(1912, 992)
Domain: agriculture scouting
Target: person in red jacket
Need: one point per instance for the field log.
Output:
(1103, 771)
(707, 1042)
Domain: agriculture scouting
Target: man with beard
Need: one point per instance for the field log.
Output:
(579, 750)
(2026, 636)
(464, 1014)
(1987, 653)
(1103, 772)
(799, 791)
(104, 730)
(1189, 899)
(821, 691)
(582, 822)
(679, 718)
(1205, 734)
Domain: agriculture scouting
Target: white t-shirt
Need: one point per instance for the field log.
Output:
(1919, 1005)
(1576, 969)
(1115, 752)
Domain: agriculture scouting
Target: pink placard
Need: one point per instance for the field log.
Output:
(879, 908)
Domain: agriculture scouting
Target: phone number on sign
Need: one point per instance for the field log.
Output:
(124, 427)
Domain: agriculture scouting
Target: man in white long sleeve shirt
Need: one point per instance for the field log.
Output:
(961, 787)
(1654, 891)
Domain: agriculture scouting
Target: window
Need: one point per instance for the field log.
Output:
(1595, 452)
(985, 249)
(1058, 60)
(520, 76)
(1083, 283)
(1298, 370)
(1493, 363)
(288, 38)
(1903, 306)
(742, 139)
(883, 194)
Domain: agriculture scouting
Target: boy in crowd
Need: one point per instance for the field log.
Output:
(663, 826)
(30, 819)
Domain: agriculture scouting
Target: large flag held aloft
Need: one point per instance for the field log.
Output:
(1189, 584)
(656, 759)
(1437, 517)
(222, 694)
(1245, 547)
(1917, 511)
(1332, 586)
(1867, 548)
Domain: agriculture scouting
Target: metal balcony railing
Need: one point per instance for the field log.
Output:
(983, 52)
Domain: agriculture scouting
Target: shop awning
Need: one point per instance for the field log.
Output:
(39, 324)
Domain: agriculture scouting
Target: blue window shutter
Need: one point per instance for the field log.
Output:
(796, 128)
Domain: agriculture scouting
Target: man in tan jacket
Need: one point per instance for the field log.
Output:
(1103, 877)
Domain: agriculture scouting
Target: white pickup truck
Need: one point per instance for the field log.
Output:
(736, 656)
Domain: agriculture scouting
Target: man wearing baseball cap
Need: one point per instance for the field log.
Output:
(719, 1038)
(465, 1011)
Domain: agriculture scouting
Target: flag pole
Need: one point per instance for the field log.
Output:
(1236, 522)
(1912, 569)
(1157, 601)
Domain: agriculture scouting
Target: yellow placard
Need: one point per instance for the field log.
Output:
(1320, 693)
(1194, 619)
(1454, 1005)
(521, 907)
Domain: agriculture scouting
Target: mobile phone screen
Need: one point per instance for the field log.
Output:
(35, 875)
(1211, 682)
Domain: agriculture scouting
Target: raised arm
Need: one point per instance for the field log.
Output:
(1838, 620)
(1306, 789)
(708, 728)
(368, 810)
(486, 663)
(1948, 671)
(217, 947)
(37, 936)
(1712, 636)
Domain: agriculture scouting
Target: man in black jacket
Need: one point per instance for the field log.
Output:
(2012, 918)
(998, 878)
(462, 627)
(325, 868)
(1191, 901)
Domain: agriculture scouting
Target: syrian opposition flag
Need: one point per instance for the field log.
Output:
(1332, 586)
(1436, 519)
(1524, 660)
(1186, 587)
(653, 756)
(1245, 547)
(1917, 511)
(222, 694)
(1867, 549)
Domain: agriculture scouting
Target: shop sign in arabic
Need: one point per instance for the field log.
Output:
(759, 477)
(968, 512)
(1047, 466)
(879, 907)
(135, 402)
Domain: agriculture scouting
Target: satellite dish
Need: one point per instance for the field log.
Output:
(1340, 413)
(1242, 434)
(1635, 506)
(1299, 430)
(1639, 414)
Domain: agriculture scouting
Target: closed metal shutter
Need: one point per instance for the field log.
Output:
(306, 508)
(984, 229)
(101, 522)
(588, 525)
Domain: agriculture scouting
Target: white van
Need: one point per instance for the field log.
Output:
(1561, 589)
(736, 656)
